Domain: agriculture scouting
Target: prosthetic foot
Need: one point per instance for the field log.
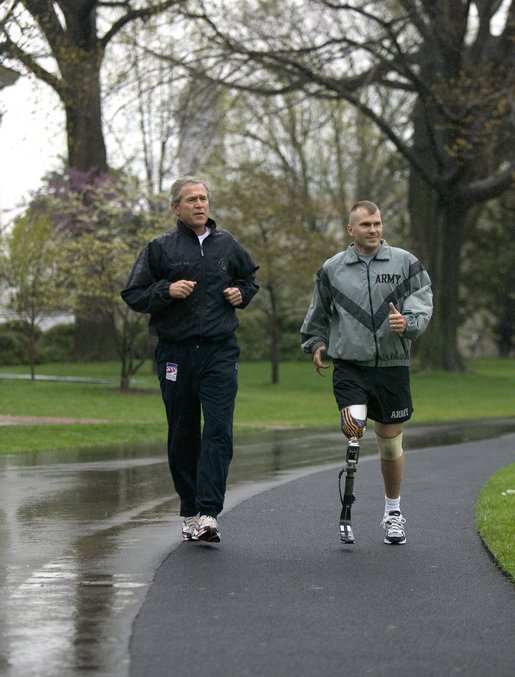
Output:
(348, 498)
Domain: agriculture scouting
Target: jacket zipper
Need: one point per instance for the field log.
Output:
(203, 281)
(372, 313)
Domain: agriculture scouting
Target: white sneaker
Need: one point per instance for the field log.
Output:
(188, 527)
(207, 529)
(393, 525)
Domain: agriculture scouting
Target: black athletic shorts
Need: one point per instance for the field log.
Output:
(385, 390)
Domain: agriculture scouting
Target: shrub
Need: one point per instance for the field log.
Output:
(57, 344)
(13, 343)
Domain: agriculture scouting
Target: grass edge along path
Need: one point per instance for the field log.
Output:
(495, 508)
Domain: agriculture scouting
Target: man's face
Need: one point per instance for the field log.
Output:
(366, 231)
(193, 207)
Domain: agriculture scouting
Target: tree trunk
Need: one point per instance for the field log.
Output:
(79, 53)
(441, 222)
(439, 237)
(437, 234)
(125, 380)
(274, 336)
(32, 350)
(94, 338)
(81, 96)
(86, 147)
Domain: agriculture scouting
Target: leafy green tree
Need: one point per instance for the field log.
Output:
(100, 270)
(30, 269)
(101, 222)
(263, 215)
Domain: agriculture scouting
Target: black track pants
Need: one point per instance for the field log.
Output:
(199, 381)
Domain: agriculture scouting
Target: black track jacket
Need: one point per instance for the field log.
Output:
(219, 263)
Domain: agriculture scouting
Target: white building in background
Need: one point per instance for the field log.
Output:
(46, 322)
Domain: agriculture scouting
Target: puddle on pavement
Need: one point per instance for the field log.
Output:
(82, 532)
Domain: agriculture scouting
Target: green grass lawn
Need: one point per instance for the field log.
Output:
(302, 398)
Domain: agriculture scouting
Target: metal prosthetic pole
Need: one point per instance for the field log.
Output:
(348, 498)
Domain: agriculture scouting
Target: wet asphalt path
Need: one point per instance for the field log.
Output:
(282, 596)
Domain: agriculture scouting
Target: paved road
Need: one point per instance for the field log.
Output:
(282, 596)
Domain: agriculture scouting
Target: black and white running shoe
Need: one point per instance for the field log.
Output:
(189, 525)
(207, 529)
(393, 525)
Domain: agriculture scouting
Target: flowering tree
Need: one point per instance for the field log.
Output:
(98, 224)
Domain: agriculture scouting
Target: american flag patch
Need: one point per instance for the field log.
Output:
(171, 371)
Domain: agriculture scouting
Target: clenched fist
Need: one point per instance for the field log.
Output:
(181, 289)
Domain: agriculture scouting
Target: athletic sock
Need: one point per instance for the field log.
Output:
(391, 504)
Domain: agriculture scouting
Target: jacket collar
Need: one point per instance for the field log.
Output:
(183, 228)
(383, 254)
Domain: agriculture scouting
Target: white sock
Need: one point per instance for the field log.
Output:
(391, 504)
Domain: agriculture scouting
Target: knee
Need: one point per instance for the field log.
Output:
(390, 448)
(354, 420)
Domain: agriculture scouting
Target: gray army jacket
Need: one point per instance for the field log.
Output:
(349, 309)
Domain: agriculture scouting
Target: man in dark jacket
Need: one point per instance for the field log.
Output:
(191, 280)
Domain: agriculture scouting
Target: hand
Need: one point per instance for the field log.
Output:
(318, 357)
(397, 320)
(181, 289)
(233, 296)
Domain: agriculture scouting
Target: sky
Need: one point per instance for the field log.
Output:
(32, 142)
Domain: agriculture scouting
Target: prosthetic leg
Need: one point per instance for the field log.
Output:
(348, 498)
(353, 426)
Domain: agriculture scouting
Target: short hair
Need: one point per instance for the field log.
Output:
(371, 208)
(175, 190)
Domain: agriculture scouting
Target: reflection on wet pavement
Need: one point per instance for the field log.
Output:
(81, 534)
(71, 527)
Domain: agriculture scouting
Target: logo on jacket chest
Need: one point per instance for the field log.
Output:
(387, 278)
